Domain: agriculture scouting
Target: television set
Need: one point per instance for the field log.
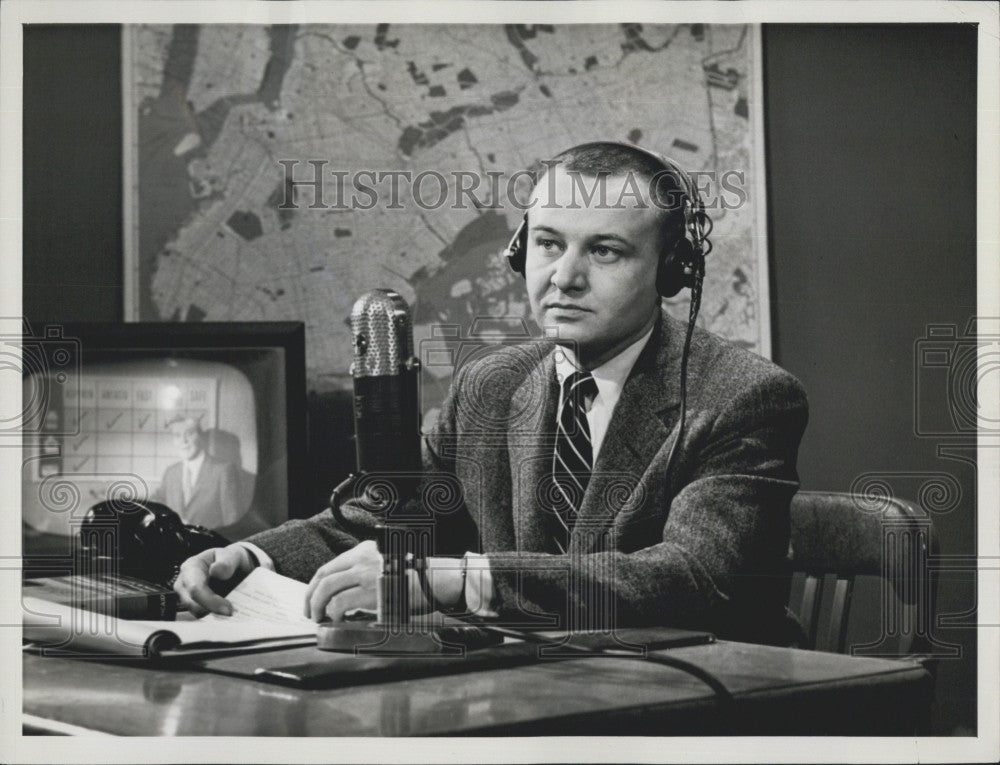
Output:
(208, 418)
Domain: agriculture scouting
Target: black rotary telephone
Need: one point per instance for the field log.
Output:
(142, 539)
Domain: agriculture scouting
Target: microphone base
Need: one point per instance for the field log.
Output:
(413, 639)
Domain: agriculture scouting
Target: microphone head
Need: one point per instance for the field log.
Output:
(386, 409)
(382, 331)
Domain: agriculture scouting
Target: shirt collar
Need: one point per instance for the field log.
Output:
(194, 465)
(612, 374)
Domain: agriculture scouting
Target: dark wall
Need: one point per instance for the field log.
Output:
(72, 173)
(871, 165)
(872, 177)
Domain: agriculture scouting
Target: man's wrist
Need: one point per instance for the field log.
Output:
(256, 557)
(479, 592)
(442, 584)
(457, 586)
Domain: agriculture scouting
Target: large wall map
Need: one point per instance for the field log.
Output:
(223, 120)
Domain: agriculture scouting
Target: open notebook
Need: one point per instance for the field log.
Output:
(267, 613)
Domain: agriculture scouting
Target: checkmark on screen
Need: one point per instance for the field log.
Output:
(79, 466)
(143, 420)
(78, 443)
(110, 423)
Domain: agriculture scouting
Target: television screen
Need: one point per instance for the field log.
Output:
(207, 419)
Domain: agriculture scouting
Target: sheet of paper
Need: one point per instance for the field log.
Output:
(267, 606)
(231, 631)
(72, 628)
(267, 596)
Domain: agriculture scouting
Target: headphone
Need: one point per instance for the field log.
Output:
(684, 264)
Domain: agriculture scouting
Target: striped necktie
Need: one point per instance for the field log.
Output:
(573, 458)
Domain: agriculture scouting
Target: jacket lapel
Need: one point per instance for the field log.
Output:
(530, 447)
(639, 428)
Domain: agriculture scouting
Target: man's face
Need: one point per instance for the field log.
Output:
(187, 438)
(591, 272)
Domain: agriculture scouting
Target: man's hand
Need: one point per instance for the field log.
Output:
(347, 582)
(220, 564)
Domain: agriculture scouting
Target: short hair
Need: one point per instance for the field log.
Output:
(179, 418)
(608, 159)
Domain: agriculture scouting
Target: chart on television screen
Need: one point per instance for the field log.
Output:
(203, 431)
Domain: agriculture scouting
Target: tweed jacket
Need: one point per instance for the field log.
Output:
(703, 545)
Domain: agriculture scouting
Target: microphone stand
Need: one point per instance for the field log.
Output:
(396, 632)
(386, 415)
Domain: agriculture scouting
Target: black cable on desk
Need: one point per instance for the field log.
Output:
(694, 670)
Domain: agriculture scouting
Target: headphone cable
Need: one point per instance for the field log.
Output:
(695, 305)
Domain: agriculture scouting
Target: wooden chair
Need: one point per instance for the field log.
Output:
(837, 537)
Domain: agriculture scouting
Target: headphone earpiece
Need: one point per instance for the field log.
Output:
(676, 270)
(517, 249)
(681, 267)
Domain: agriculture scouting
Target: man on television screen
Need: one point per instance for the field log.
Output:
(203, 490)
(667, 503)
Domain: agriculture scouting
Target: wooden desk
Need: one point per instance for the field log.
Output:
(777, 691)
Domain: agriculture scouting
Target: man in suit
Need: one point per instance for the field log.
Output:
(581, 495)
(200, 488)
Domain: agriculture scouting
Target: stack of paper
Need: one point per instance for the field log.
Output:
(268, 609)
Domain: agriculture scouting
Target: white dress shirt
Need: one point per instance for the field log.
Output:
(190, 470)
(610, 378)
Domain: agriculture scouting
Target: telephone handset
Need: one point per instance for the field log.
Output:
(148, 540)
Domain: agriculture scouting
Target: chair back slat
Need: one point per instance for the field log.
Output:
(808, 610)
(836, 636)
